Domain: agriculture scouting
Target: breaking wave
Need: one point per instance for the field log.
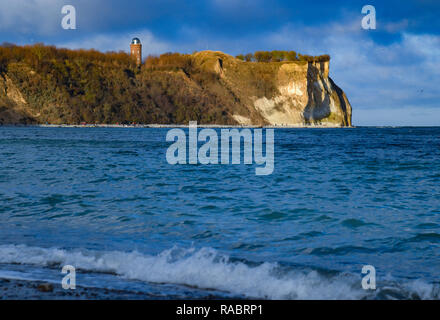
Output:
(207, 269)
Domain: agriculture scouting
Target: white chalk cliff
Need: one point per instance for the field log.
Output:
(302, 93)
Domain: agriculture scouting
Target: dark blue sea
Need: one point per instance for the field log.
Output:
(106, 201)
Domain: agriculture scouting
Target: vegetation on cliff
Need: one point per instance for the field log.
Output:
(45, 84)
(279, 56)
(74, 86)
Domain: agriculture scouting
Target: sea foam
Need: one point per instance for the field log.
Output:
(207, 269)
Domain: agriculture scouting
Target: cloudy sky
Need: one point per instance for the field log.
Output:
(391, 75)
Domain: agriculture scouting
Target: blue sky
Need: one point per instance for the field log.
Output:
(391, 75)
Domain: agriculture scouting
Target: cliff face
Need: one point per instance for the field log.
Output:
(295, 93)
(214, 88)
(13, 106)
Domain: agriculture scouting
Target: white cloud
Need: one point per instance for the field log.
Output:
(26, 16)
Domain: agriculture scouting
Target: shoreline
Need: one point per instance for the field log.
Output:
(214, 126)
(19, 289)
(22, 289)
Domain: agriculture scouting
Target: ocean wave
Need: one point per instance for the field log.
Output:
(208, 269)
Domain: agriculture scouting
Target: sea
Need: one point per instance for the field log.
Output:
(107, 202)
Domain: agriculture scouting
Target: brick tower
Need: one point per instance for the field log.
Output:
(136, 50)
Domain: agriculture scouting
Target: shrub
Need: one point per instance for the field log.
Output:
(249, 57)
(279, 56)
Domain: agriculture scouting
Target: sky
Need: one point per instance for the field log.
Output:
(391, 75)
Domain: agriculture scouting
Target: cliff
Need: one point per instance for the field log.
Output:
(49, 85)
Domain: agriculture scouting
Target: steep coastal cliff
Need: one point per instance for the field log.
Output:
(62, 86)
(296, 93)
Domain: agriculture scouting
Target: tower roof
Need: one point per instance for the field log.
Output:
(135, 41)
